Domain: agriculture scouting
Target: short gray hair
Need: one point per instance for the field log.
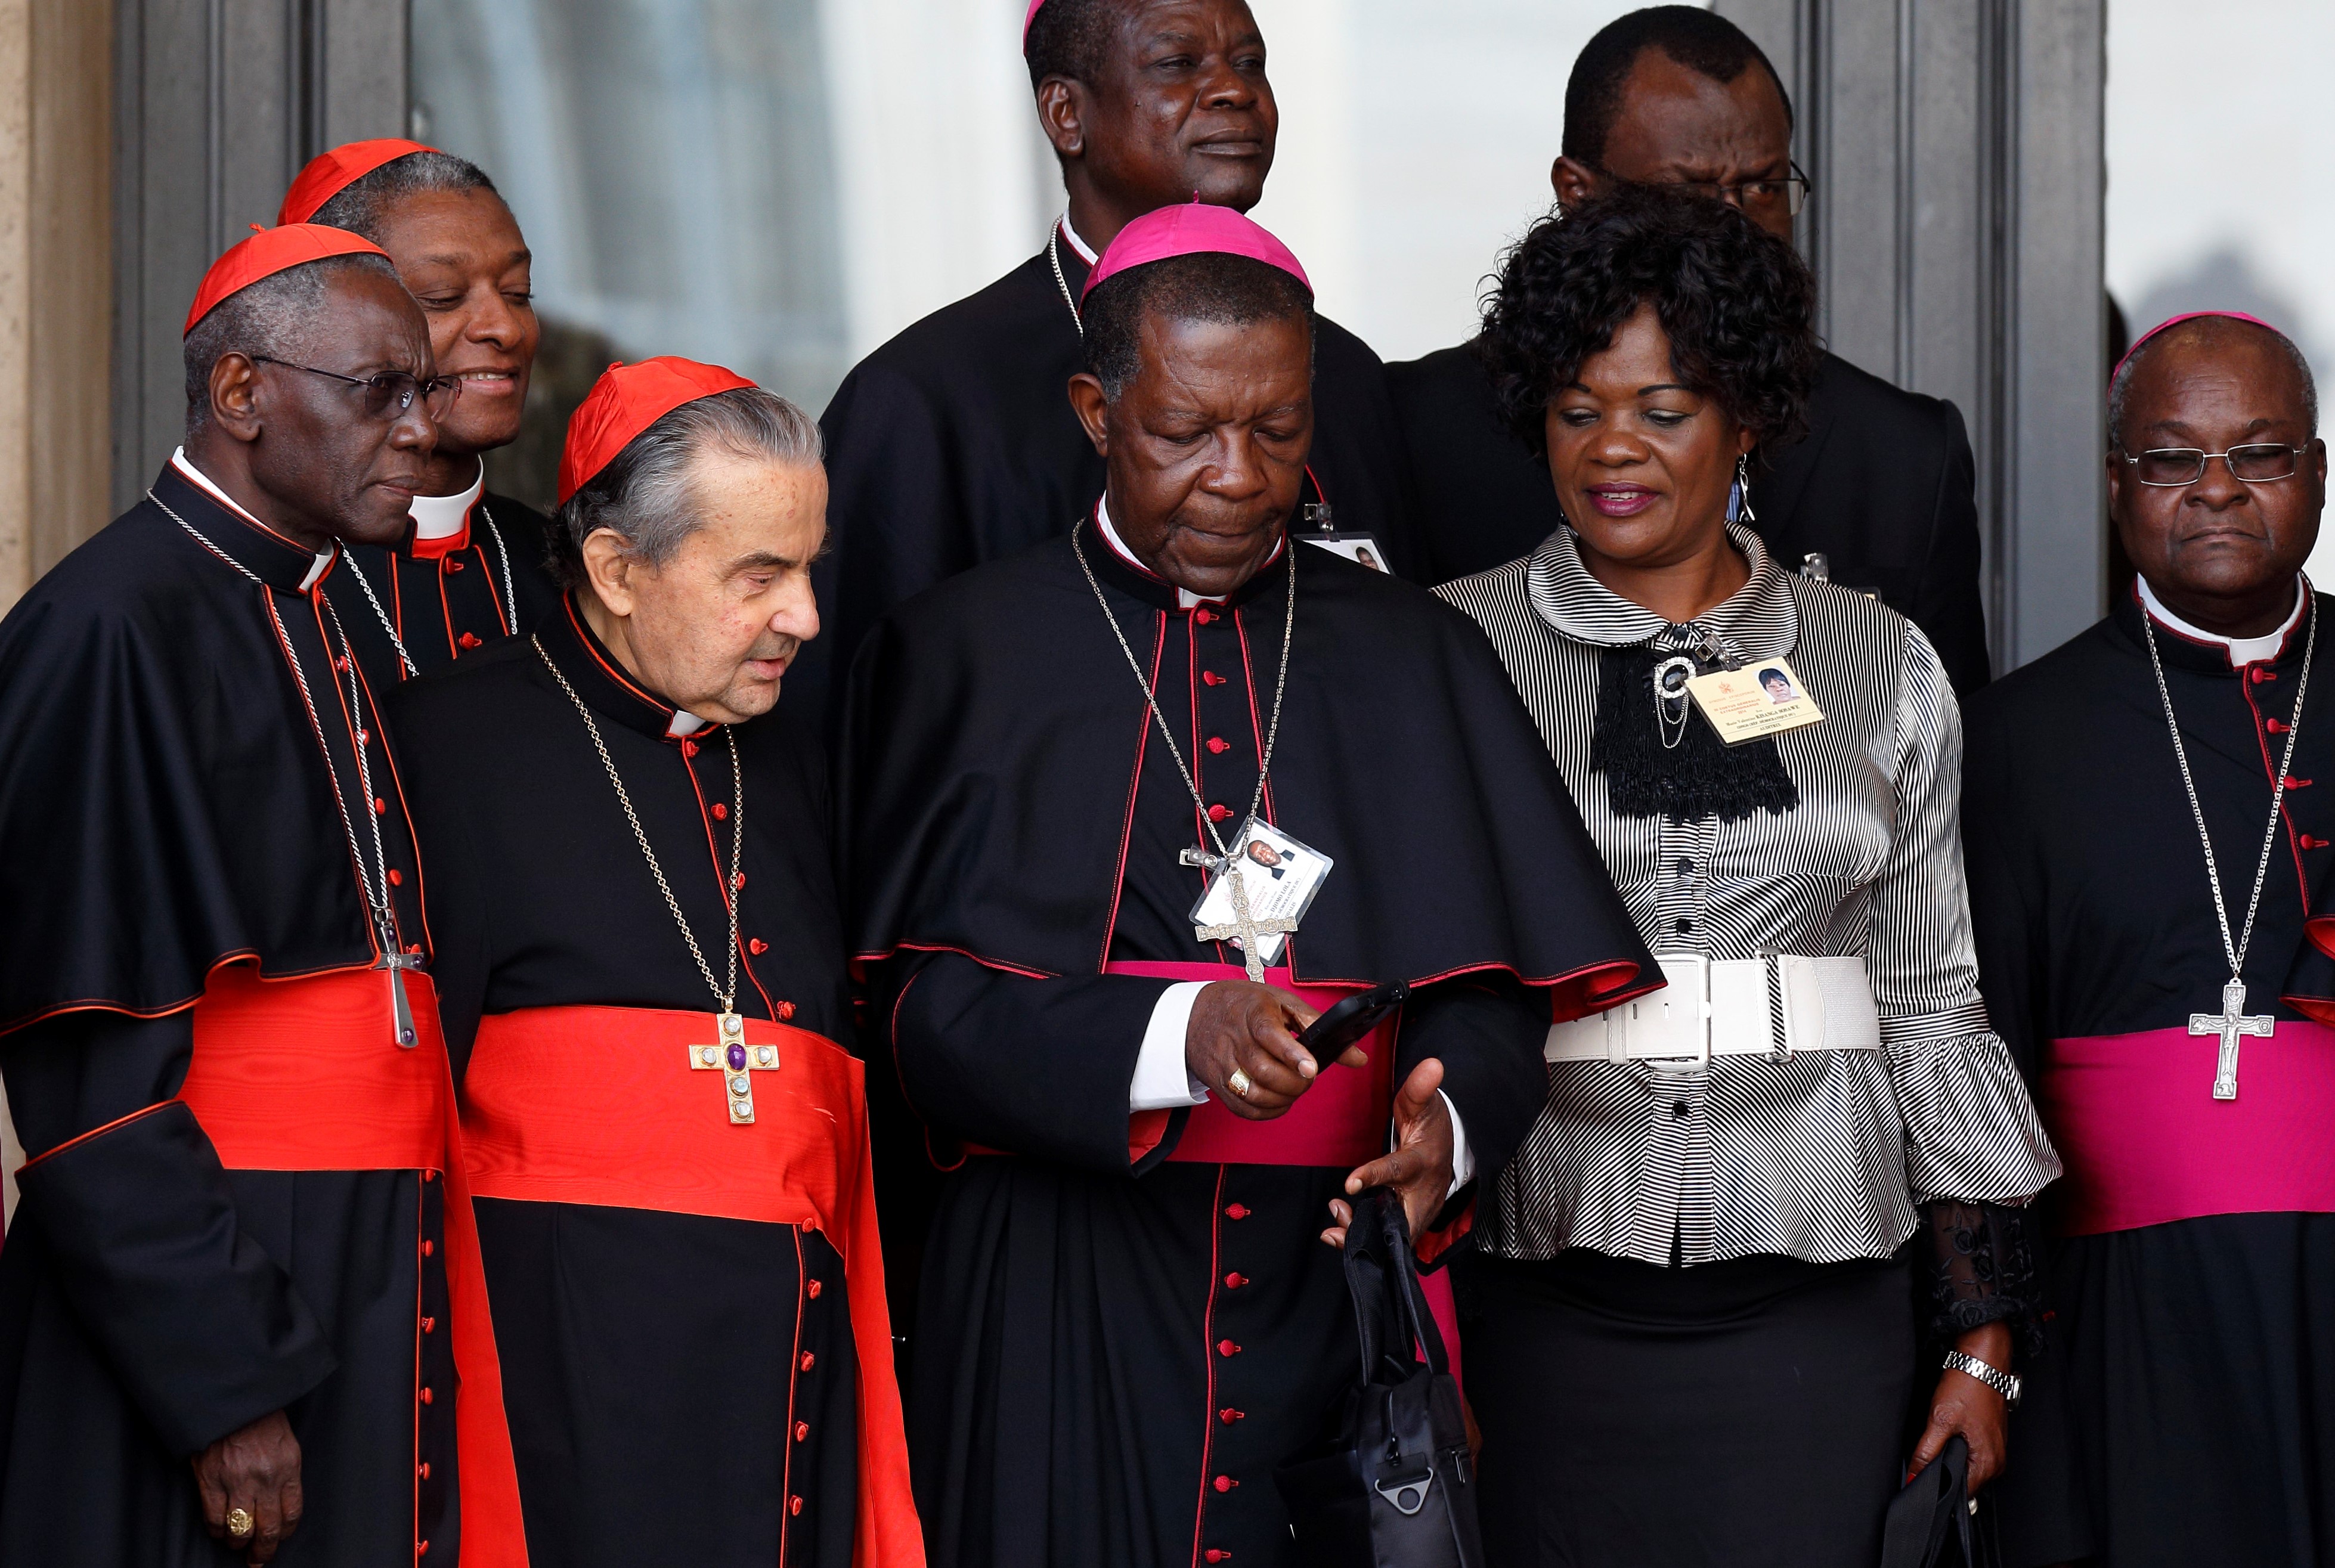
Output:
(270, 318)
(363, 206)
(2120, 385)
(643, 495)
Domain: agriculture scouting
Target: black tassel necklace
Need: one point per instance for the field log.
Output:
(1661, 758)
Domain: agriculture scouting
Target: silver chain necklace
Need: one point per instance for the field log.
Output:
(511, 605)
(729, 1055)
(393, 958)
(2232, 1022)
(1054, 256)
(1222, 860)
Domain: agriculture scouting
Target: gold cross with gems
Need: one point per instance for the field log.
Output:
(737, 1061)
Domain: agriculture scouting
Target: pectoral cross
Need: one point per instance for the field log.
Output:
(401, 1011)
(2230, 1023)
(1243, 925)
(737, 1061)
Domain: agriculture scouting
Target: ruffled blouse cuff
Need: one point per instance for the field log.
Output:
(1970, 1130)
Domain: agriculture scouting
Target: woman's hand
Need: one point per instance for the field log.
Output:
(1963, 1404)
(1419, 1168)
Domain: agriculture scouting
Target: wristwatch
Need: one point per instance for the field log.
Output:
(2007, 1384)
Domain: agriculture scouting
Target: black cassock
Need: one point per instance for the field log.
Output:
(1883, 487)
(954, 444)
(2181, 1412)
(1117, 1346)
(682, 1382)
(450, 596)
(169, 825)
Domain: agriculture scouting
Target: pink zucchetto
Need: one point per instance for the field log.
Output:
(1027, 17)
(1193, 228)
(2171, 322)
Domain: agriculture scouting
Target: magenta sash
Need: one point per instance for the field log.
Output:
(2146, 1142)
(1340, 1120)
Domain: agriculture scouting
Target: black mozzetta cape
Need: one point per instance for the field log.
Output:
(1116, 1348)
(954, 444)
(450, 598)
(2094, 917)
(1882, 486)
(165, 808)
(657, 1423)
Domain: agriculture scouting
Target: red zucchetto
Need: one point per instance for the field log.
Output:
(1192, 229)
(269, 252)
(330, 173)
(626, 400)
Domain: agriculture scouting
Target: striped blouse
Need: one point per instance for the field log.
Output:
(1823, 1157)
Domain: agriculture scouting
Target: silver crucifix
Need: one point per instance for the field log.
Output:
(400, 1011)
(1243, 925)
(2230, 1023)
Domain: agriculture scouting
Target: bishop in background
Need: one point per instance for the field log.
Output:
(642, 980)
(1128, 1315)
(2149, 820)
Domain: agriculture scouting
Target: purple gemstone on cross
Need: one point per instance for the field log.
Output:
(737, 1058)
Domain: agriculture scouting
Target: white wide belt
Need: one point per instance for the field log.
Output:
(1776, 1006)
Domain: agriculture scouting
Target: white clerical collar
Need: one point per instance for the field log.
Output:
(2243, 651)
(1185, 598)
(444, 516)
(1086, 252)
(685, 722)
(180, 461)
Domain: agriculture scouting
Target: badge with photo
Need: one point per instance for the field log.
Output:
(1763, 698)
(1281, 877)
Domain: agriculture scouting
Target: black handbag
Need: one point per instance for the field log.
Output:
(1391, 1484)
(1930, 1523)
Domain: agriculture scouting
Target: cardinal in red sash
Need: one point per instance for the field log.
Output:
(643, 980)
(240, 1299)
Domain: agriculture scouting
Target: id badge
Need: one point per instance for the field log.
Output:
(1361, 548)
(1763, 698)
(1280, 876)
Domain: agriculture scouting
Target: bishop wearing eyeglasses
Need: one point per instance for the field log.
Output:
(240, 1305)
(641, 962)
(2149, 820)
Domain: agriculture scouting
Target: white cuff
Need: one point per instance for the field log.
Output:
(1463, 1158)
(1162, 1082)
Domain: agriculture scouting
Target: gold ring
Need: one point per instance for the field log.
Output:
(1238, 1083)
(238, 1523)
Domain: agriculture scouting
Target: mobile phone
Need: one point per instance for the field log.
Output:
(1350, 1017)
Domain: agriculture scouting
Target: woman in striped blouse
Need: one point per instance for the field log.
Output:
(1761, 1206)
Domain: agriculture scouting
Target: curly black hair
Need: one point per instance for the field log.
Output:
(1738, 302)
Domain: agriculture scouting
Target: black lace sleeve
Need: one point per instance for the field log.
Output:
(1984, 1270)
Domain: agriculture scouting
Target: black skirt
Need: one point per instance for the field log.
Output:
(1743, 1413)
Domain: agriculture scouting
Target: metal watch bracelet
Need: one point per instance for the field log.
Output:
(2007, 1384)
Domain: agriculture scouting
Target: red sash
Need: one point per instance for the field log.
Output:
(1340, 1120)
(2145, 1143)
(303, 1075)
(601, 1105)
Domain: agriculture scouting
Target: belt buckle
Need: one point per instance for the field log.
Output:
(1695, 969)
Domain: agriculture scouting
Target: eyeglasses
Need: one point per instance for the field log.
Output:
(1753, 198)
(389, 393)
(2172, 467)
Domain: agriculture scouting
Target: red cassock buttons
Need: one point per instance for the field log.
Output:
(1210, 678)
(1218, 813)
(757, 947)
(794, 1504)
(428, 1325)
(2274, 726)
(470, 640)
(1229, 1416)
(721, 812)
(738, 879)
(812, 1290)
(1226, 1483)
(421, 1548)
(1238, 1210)
(428, 1248)
(453, 563)
(428, 1397)
(689, 748)
(396, 877)
(802, 1431)
(1234, 1282)
(1204, 614)
(1217, 1554)
(786, 1010)
(424, 1470)
(1227, 1348)
(379, 807)
(1219, 745)
(809, 1360)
